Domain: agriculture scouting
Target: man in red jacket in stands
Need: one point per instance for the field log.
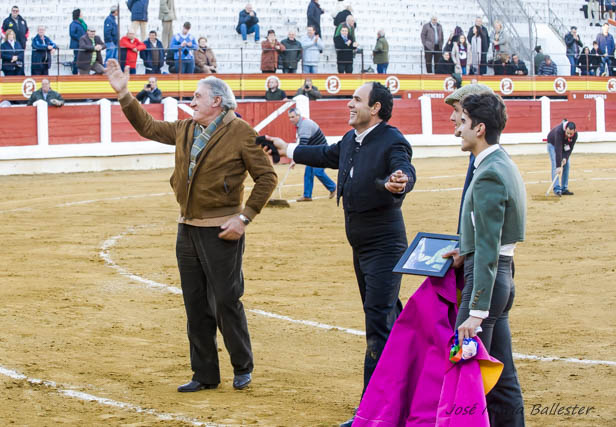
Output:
(132, 45)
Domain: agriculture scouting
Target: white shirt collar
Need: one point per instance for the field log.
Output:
(485, 153)
(360, 137)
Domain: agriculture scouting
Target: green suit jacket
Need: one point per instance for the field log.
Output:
(493, 214)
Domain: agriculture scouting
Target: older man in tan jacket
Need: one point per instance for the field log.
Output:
(214, 153)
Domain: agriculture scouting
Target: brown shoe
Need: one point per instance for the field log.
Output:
(332, 194)
(304, 199)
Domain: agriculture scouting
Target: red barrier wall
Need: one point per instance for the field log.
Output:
(610, 116)
(255, 112)
(523, 116)
(18, 126)
(331, 116)
(74, 124)
(582, 112)
(121, 129)
(440, 117)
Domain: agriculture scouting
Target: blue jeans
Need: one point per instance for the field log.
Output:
(111, 52)
(188, 66)
(564, 179)
(572, 61)
(605, 61)
(74, 64)
(310, 69)
(309, 175)
(382, 68)
(244, 31)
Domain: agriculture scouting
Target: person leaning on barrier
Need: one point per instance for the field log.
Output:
(214, 152)
(46, 94)
(150, 94)
(309, 90)
(154, 55)
(547, 67)
(130, 46)
(42, 50)
(273, 92)
(205, 60)
(517, 67)
(90, 57)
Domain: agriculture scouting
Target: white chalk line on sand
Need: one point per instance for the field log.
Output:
(109, 243)
(80, 395)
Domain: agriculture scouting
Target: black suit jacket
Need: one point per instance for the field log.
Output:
(382, 152)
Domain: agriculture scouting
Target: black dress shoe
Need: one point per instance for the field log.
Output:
(195, 386)
(567, 193)
(241, 381)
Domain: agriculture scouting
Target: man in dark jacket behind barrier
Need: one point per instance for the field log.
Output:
(214, 153)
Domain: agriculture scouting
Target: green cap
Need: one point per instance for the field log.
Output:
(471, 89)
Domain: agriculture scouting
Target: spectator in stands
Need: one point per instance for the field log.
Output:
(290, 57)
(46, 94)
(479, 40)
(445, 65)
(539, 58)
(90, 58)
(584, 62)
(453, 38)
(312, 46)
(154, 55)
(183, 45)
(167, 16)
(132, 46)
(270, 48)
(273, 92)
(344, 51)
(380, 53)
(205, 60)
(111, 34)
(517, 67)
(432, 41)
(42, 50)
(77, 29)
(475, 54)
(606, 49)
(18, 24)
(150, 94)
(610, 6)
(351, 26)
(340, 17)
(314, 13)
(548, 67)
(572, 40)
(500, 39)
(593, 11)
(12, 55)
(595, 58)
(460, 55)
(309, 90)
(138, 15)
(248, 23)
(500, 64)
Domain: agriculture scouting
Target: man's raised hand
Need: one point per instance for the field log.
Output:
(118, 79)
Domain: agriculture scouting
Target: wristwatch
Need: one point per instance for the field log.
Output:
(244, 219)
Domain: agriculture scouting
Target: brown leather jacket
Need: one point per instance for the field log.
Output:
(217, 186)
(269, 55)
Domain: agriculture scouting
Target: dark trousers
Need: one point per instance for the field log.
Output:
(345, 67)
(505, 402)
(378, 240)
(154, 70)
(432, 55)
(74, 68)
(288, 70)
(212, 285)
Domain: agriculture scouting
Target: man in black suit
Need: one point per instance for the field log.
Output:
(374, 175)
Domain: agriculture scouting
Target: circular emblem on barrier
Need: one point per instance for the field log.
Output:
(449, 84)
(611, 85)
(268, 80)
(393, 84)
(28, 87)
(560, 85)
(506, 86)
(332, 84)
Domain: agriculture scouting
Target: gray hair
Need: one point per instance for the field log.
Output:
(220, 88)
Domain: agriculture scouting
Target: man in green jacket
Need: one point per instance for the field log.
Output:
(380, 54)
(46, 94)
(493, 221)
(214, 153)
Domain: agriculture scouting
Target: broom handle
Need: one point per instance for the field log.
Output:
(283, 180)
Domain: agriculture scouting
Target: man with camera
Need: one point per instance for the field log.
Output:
(150, 94)
(309, 90)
